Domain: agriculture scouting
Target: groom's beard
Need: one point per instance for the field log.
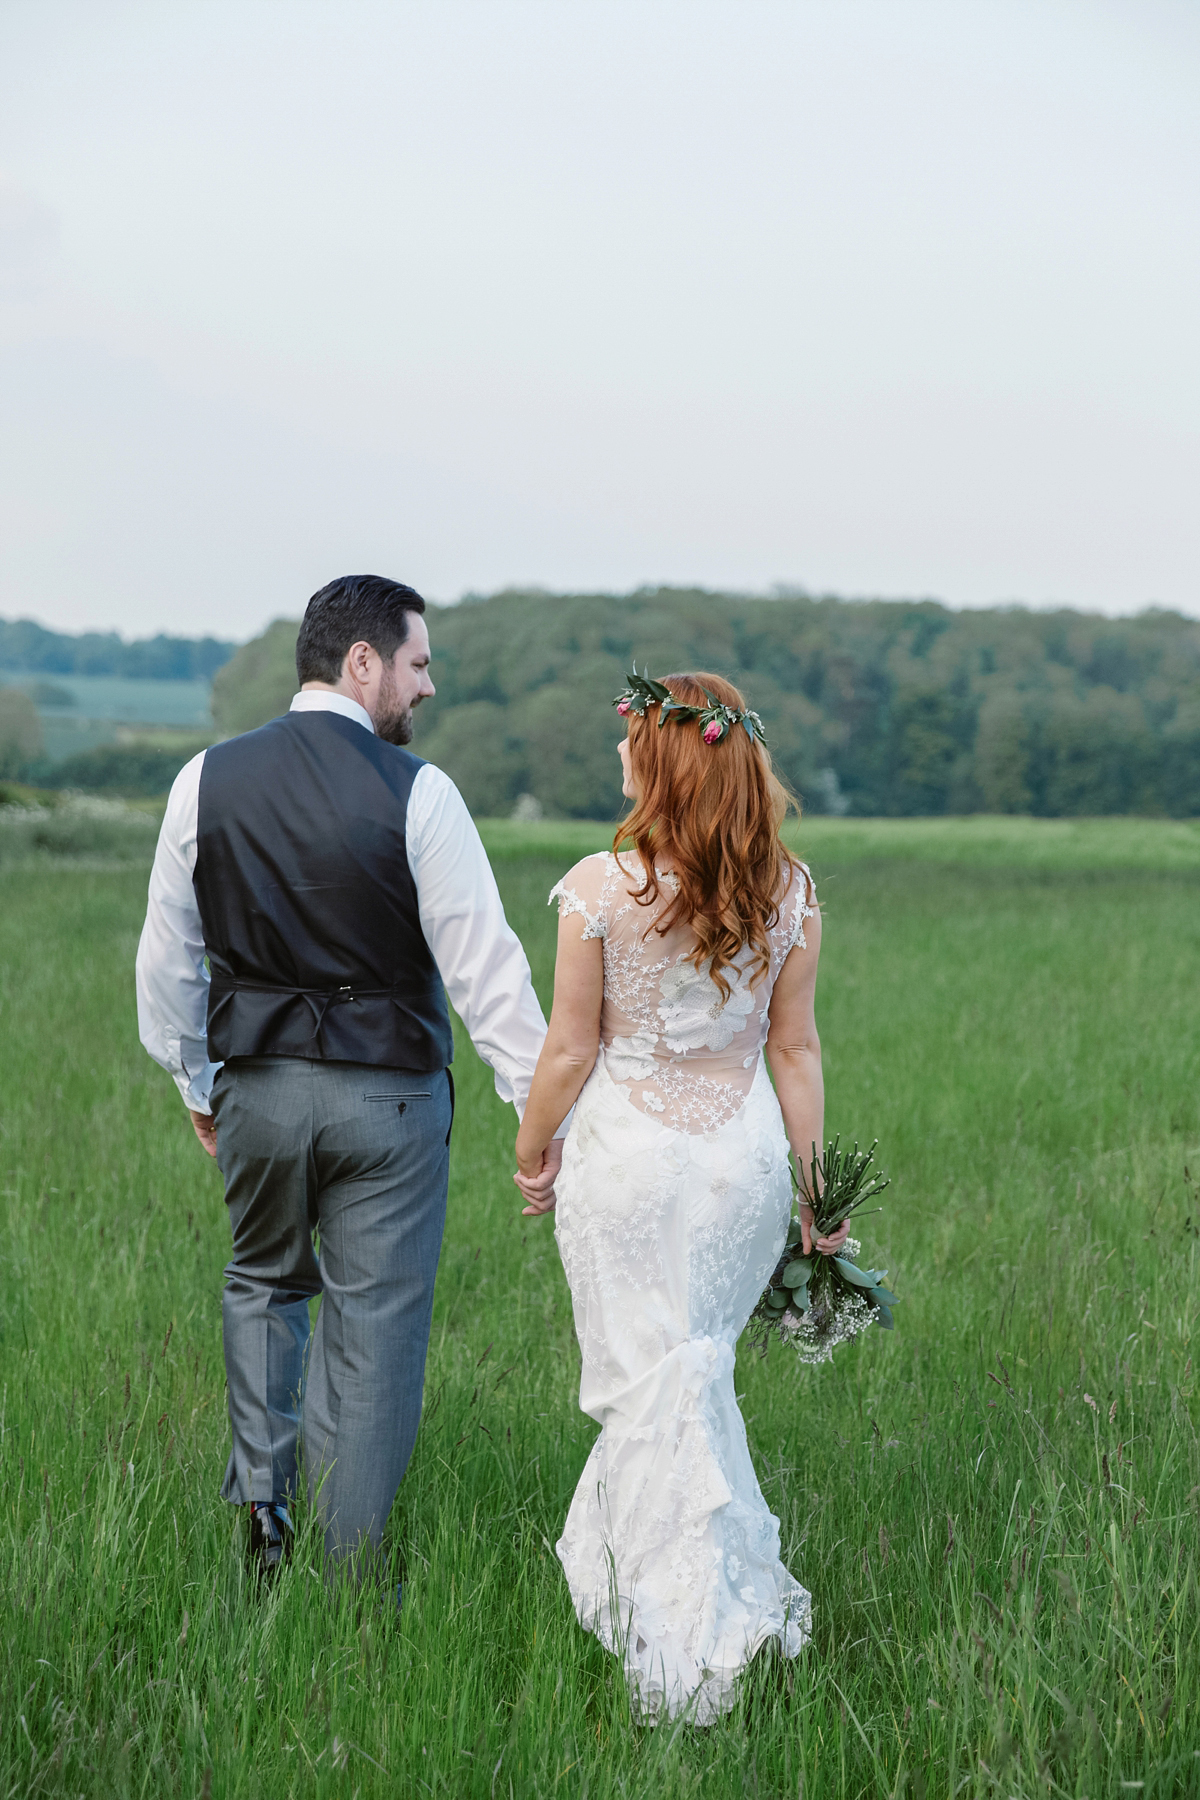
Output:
(393, 721)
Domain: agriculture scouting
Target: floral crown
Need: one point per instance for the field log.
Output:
(716, 720)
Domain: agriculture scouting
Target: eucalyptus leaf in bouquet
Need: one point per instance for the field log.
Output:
(814, 1303)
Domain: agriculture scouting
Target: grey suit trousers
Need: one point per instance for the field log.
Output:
(360, 1156)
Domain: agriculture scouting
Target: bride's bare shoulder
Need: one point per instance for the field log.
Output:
(585, 876)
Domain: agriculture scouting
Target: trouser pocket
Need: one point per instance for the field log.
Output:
(399, 1098)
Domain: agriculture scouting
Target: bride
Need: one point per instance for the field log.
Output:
(681, 960)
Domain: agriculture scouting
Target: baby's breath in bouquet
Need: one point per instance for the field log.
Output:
(814, 1303)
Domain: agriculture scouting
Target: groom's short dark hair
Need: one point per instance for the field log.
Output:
(354, 609)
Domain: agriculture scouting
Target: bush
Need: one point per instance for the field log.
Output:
(133, 770)
(77, 825)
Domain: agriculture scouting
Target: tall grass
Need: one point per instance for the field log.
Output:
(995, 1507)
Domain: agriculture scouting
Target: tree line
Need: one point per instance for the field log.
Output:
(30, 649)
(872, 707)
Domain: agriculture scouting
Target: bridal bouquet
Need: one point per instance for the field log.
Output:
(817, 1302)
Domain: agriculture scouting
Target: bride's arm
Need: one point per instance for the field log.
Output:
(569, 1052)
(794, 1053)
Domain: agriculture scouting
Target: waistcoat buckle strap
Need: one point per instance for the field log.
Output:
(326, 997)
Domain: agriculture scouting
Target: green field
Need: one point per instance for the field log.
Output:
(131, 699)
(995, 1507)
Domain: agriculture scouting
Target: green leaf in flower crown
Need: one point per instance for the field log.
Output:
(884, 1315)
(798, 1270)
(710, 717)
(800, 1299)
(882, 1295)
(777, 1299)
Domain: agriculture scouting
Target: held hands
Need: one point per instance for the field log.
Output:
(828, 1246)
(536, 1177)
(205, 1127)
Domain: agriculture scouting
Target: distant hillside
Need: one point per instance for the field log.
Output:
(872, 707)
(29, 648)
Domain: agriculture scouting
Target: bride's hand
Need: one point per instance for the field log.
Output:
(536, 1178)
(828, 1246)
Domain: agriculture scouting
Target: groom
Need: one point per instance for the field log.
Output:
(334, 882)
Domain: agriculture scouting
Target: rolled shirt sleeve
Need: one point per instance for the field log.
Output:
(172, 981)
(478, 954)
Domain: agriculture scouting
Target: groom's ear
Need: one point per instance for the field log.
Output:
(359, 661)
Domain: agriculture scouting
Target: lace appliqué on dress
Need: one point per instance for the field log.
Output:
(801, 910)
(695, 1013)
(687, 1052)
(570, 902)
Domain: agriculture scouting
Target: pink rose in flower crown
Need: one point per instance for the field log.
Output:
(624, 708)
(712, 732)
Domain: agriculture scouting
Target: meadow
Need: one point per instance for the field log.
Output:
(995, 1506)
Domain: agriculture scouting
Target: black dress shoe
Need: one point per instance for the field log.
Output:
(269, 1542)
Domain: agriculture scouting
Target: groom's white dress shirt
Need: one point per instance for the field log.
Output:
(478, 955)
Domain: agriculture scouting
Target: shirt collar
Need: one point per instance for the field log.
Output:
(321, 700)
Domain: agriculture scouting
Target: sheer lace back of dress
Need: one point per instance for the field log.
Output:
(680, 1050)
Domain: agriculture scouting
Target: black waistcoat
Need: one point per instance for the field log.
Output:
(307, 902)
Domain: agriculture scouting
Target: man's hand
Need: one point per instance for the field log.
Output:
(205, 1127)
(828, 1246)
(538, 1187)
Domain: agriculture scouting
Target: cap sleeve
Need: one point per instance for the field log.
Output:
(583, 890)
(803, 898)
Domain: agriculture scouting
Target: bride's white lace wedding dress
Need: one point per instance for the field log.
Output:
(673, 1206)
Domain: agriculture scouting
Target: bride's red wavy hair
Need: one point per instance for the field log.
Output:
(711, 813)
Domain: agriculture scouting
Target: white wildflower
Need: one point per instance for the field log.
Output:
(829, 1324)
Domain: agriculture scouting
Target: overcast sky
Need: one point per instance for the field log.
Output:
(889, 297)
